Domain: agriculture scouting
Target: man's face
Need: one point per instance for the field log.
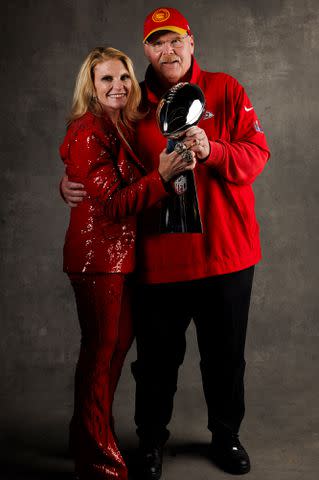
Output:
(170, 55)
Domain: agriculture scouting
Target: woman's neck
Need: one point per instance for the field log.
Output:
(113, 115)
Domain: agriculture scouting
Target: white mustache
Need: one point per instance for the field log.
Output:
(169, 59)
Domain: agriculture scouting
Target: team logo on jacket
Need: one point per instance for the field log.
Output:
(208, 115)
(161, 15)
(180, 185)
(258, 127)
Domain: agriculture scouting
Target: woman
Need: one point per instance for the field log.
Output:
(99, 245)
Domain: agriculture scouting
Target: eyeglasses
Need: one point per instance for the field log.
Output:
(176, 43)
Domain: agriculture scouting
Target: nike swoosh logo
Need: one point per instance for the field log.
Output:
(248, 109)
(208, 115)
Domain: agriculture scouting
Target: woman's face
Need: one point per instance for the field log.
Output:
(112, 84)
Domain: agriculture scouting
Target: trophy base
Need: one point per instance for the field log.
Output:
(180, 213)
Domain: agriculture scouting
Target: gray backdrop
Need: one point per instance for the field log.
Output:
(272, 48)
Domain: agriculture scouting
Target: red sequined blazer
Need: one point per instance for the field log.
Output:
(102, 229)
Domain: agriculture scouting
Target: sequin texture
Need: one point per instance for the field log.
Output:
(103, 304)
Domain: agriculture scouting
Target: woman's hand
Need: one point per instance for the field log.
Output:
(172, 164)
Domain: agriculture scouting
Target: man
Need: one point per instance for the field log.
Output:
(205, 277)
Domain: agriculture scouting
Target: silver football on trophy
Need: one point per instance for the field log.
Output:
(180, 108)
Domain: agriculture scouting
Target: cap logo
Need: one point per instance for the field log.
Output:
(160, 15)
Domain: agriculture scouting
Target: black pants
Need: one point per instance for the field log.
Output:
(219, 306)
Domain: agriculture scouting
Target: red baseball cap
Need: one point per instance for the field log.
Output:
(165, 18)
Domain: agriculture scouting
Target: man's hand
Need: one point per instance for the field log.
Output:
(73, 193)
(197, 141)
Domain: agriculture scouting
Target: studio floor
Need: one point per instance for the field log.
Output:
(280, 432)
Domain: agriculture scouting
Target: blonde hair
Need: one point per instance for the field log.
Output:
(84, 93)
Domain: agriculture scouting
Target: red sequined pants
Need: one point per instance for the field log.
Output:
(103, 304)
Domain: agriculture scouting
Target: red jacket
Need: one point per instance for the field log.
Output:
(102, 230)
(239, 151)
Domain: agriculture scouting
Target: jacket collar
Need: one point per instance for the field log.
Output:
(151, 81)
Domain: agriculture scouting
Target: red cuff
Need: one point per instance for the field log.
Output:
(216, 155)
